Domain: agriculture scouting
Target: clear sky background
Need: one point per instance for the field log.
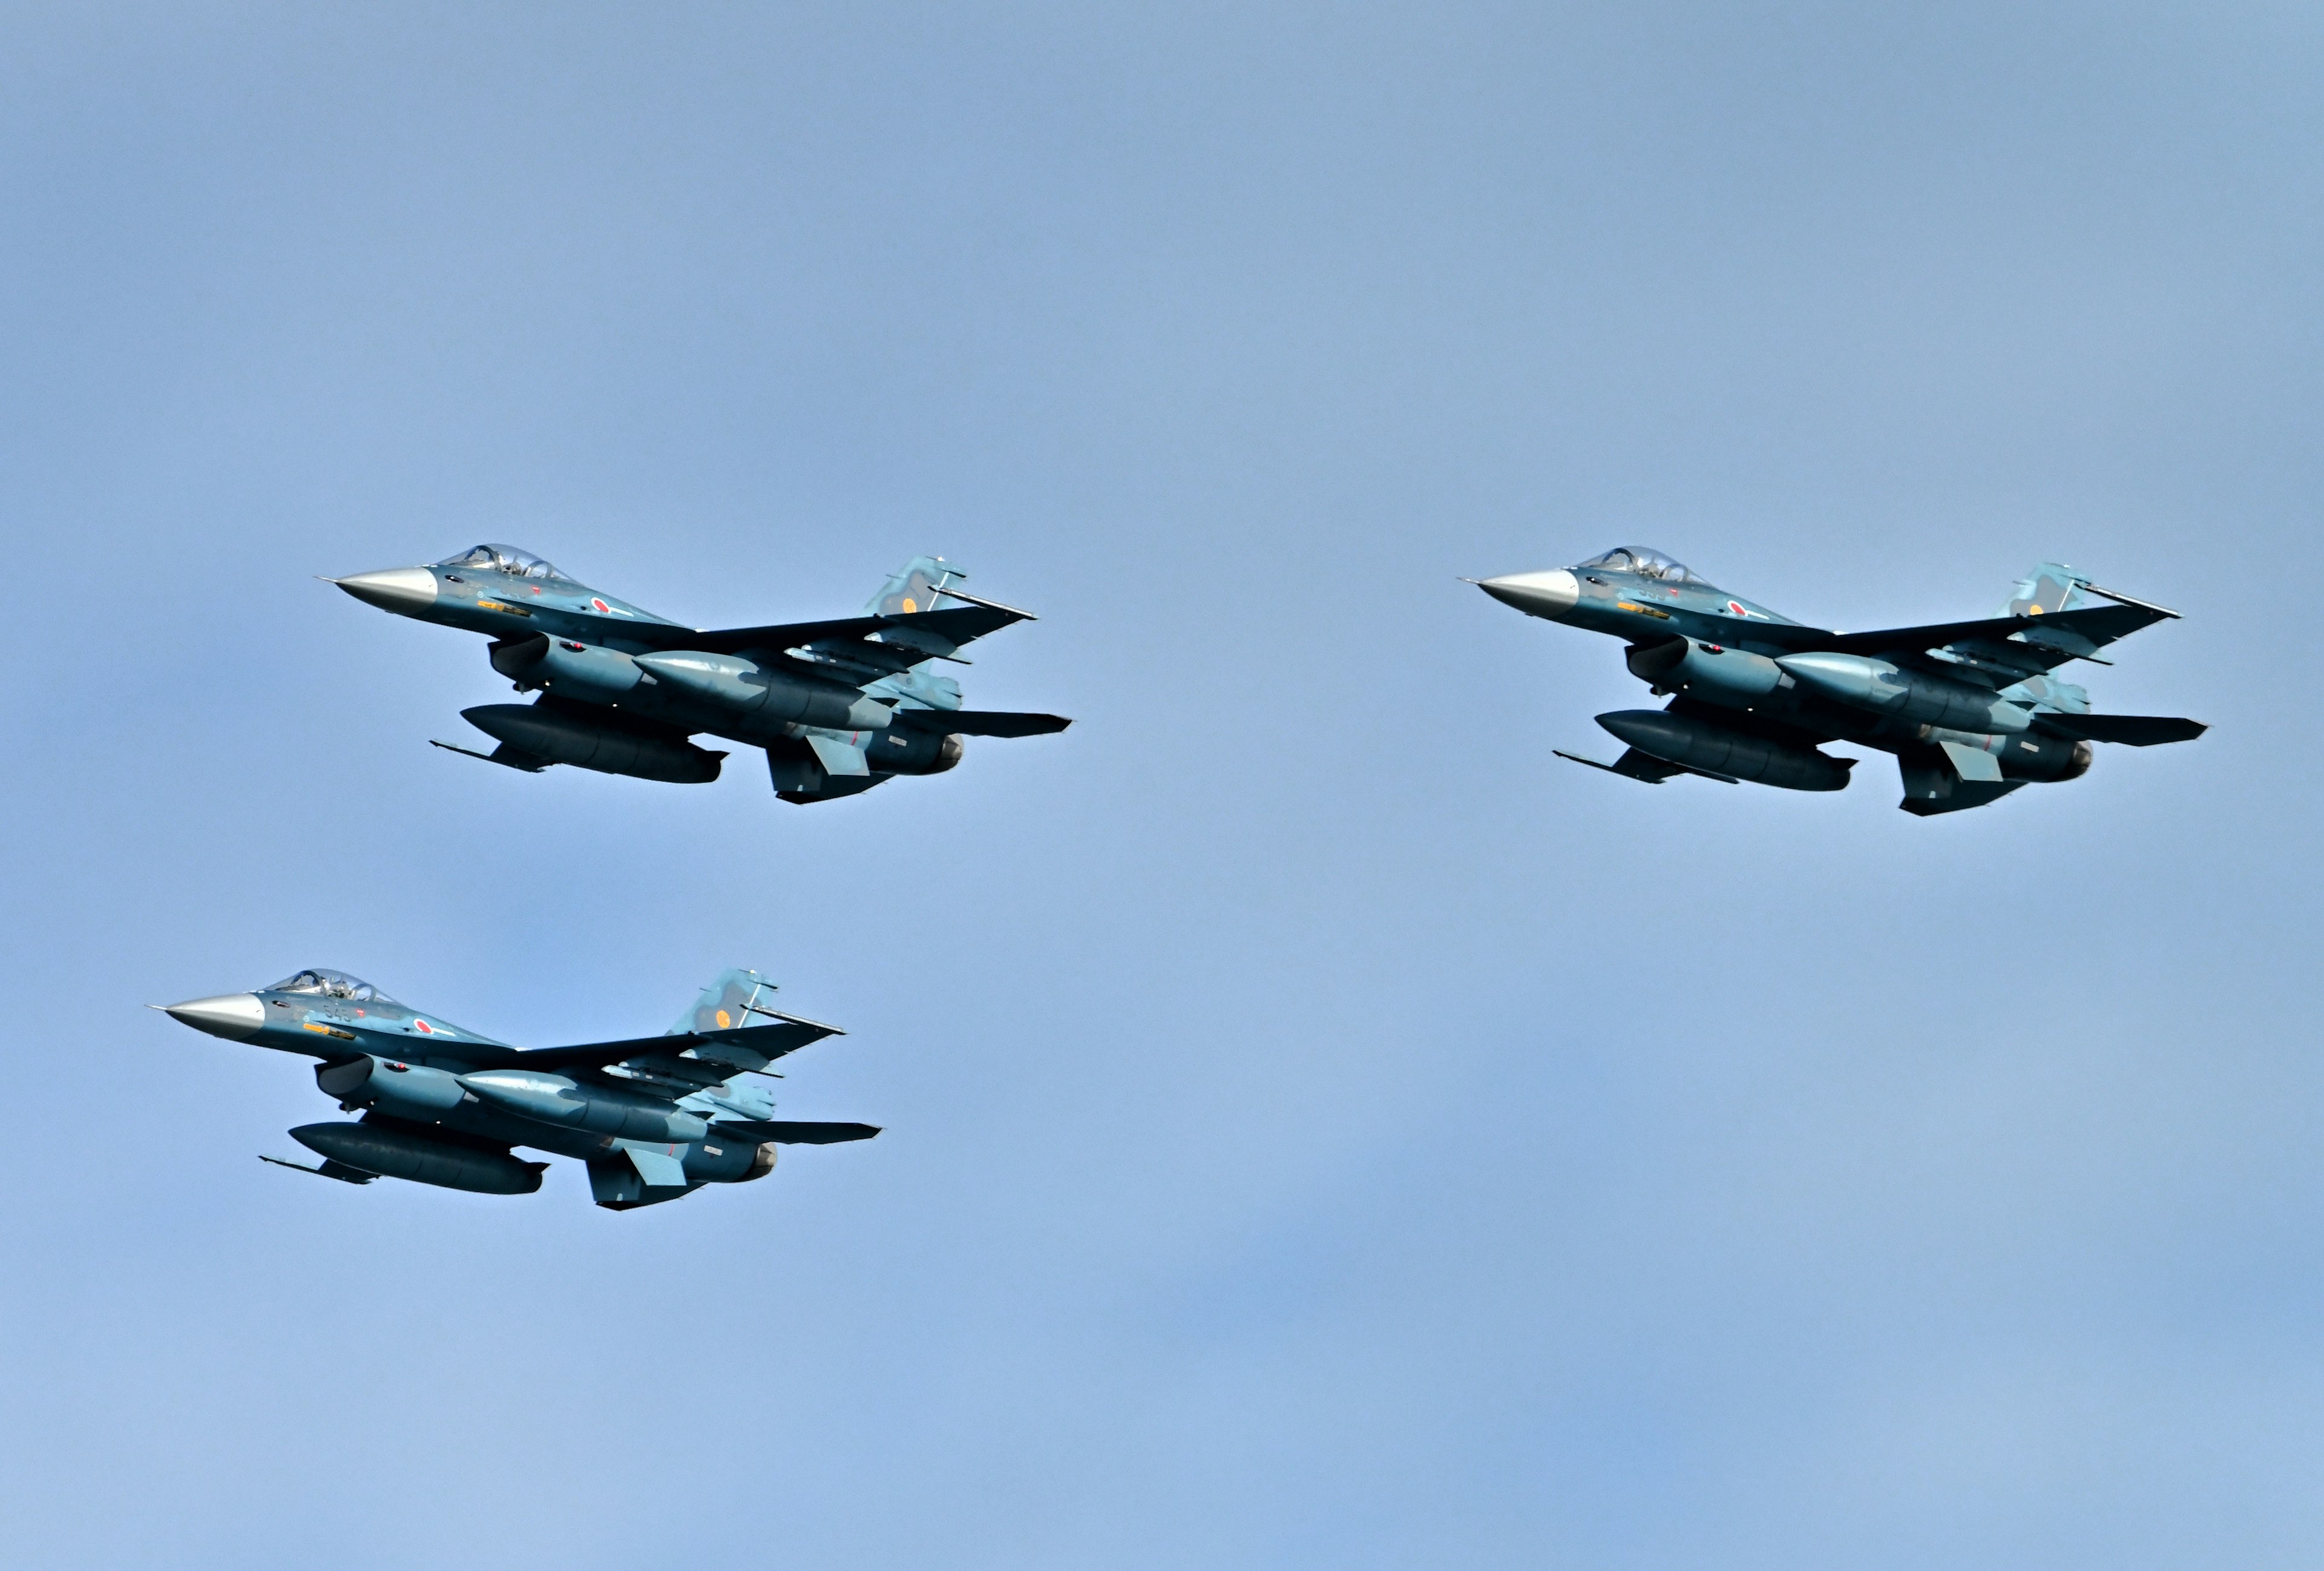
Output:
(1322, 1128)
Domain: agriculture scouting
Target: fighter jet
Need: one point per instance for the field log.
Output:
(839, 706)
(655, 1118)
(1971, 709)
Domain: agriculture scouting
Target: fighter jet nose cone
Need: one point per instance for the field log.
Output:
(1550, 595)
(403, 590)
(234, 1015)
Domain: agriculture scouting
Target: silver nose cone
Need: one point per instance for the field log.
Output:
(236, 1016)
(1551, 593)
(403, 590)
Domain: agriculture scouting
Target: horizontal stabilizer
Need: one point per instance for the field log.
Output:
(1645, 766)
(982, 722)
(329, 1170)
(784, 1131)
(514, 757)
(2130, 730)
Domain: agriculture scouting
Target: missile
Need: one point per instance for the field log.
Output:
(565, 739)
(394, 1154)
(1716, 750)
(776, 697)
(547, 1098)
(1862, 682)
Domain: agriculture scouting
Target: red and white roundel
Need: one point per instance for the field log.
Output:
(599, 606)
(423, 1028)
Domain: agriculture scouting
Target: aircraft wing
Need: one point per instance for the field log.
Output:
(2024, 645)
(882, 645)
(718, 1054)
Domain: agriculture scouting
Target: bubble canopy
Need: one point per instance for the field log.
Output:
(331, 985)
(1644, 560)
(503, 559)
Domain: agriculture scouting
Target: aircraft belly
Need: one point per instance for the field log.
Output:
(645, 704)
(1830, 721)
(697, 717)
(506, 1129)
(473, 1118)
(1825, 721)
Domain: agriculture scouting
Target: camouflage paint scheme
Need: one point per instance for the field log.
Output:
(654, 1118)
(1971, 709)
(839, 706)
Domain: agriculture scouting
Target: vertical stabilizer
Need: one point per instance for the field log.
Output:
(913, 587)
(738, 998)
(2051, 586)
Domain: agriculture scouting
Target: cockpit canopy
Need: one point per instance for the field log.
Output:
(1644, 560)
(501, 559)
(331, 985)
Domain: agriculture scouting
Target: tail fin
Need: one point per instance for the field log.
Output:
(2050, 586)
(731, 1001)
(913, 587)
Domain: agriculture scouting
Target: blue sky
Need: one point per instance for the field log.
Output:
(1322, 1128)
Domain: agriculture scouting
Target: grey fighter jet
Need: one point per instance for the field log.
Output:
(839, 706)
(1971, 709)
(654, 1118)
